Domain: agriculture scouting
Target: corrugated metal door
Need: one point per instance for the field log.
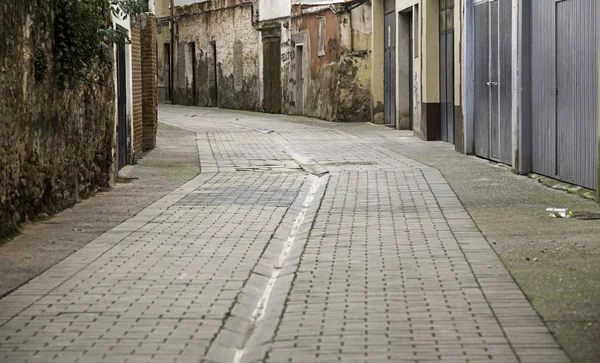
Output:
(389, 81)
(505, 136)
(482, 75)
(447, 70)
(493, 83)
(564, 79)
(493, 120)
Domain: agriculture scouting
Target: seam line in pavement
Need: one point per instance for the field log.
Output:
(485, 296)
(267, 292)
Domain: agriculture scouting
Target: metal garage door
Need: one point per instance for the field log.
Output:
(564, 58)
(447, 70)
(389, 81)
(493, 120)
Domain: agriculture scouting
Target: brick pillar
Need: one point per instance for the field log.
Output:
(136, 86)
(149, 84)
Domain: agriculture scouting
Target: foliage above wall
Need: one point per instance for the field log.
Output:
(84, 34)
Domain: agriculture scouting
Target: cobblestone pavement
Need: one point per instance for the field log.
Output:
(300, 241)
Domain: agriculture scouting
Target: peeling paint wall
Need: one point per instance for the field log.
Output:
(229, 80)
(335, 85)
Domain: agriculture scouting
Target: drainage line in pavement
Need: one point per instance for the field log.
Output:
(262, 304)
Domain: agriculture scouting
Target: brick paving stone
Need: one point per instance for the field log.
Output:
(385, 265)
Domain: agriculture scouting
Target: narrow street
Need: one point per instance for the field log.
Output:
(299, 241)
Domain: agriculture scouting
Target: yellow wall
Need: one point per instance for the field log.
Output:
(430, 51)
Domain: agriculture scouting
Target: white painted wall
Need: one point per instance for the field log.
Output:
(273, 9)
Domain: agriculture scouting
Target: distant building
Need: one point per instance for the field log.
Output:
(309, 58)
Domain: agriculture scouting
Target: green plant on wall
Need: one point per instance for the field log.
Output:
(41, 65)
(83, 34)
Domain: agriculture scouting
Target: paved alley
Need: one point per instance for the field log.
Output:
(299, 241)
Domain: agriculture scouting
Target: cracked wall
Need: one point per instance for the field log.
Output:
(223, 71)
(335, 80)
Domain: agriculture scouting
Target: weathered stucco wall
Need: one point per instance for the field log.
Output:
(336, 84)
(55, 145)
(224, 26)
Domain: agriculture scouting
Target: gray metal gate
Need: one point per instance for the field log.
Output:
(564, 58)
(447, 70)
(389, 81)
(493, 97)
(121, 107)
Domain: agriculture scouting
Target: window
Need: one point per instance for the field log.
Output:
(322, 31)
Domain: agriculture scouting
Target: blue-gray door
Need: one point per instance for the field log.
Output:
(564, 58)
(493, 119)
(389, 81)
(447, 70)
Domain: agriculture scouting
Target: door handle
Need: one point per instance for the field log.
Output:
(492, 84)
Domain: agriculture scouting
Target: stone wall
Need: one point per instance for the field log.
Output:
(55, 144)
(225, 29)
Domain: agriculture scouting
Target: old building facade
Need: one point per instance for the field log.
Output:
(272, 56)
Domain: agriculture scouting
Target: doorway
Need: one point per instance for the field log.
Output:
(191, 60)
(493, 120)
(299, 79)
(214, 87)
(389, 80)
(564, 90)
(446, 20)
(271, 38)
(411, 82)
(121, 107)
(167, 71)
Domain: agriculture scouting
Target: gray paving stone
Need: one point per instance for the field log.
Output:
(386, 266)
